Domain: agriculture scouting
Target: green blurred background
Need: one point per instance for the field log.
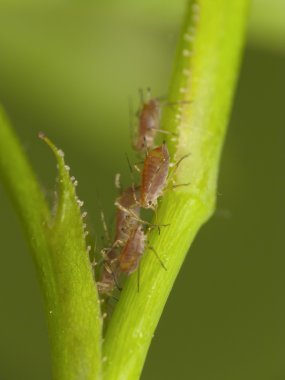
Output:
(68, 68)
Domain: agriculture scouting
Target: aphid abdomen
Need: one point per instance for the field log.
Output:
(154, 176)
(149, 119)
(133, 250)
(107, 282)
(124, 222)
(106, 285)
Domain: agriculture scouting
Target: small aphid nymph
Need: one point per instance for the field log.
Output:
(133, 250)
(124, 221)
(109, 273)
(149, 120)
(154, 176)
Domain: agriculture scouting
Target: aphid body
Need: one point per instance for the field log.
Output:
(154, 176)
(133, 250)
(124, 222)
(149, 121)
(107, 282)
(124, 225)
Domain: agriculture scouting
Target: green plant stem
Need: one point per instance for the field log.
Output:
(60, 254)
(20, 182)
(205, 74)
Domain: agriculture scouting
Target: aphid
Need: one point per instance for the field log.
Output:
(154, 176)
(108, 279)
(133, 250)
(124, 222)
(149, 121)
(149, 117)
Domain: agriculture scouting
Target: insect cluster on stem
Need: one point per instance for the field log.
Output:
(124, 254)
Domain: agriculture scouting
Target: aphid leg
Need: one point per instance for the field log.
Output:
(106, 236)
(116, 283)
(171, 187)
(137, 168)
(157, 256)
(155, 218)
(135, 217)
(176, 165)
(145, 143)
(110, 270)
(165, 132)
(131, 124)
(94, 263)
(101, 260)
(132, 173)
(117, 243)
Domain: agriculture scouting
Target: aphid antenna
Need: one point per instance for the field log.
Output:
(129, 163)
(105, 228)
(103, 219)
(132, 176)
(131, 120)
(134, 216)
(157, 256)
(110, 270)
(141, 96)
(149, 96)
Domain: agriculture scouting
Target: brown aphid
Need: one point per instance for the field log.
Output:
(108, 281)
(149, 116)
(154, 176)
(124, 222)
(133, 250)
(149, 121)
